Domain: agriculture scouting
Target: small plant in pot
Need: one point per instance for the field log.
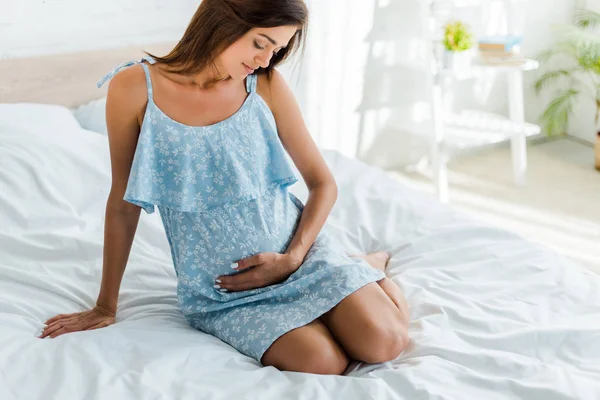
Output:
(577, 77)
(458, 42)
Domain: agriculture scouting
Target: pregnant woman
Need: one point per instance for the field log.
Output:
(204, 134)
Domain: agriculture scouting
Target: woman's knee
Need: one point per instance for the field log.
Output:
(309, 349)
(388, 342)
(326, 361)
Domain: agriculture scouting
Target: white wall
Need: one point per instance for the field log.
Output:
(582, 121)
(43, 27)
(337, 66)
(329, 83)
(38, 27)
(542, 36)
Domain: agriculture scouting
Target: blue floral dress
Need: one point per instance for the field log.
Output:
(222, 193)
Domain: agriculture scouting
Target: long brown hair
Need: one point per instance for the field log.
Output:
(217, 24)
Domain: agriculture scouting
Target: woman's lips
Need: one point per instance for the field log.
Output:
(248, 69)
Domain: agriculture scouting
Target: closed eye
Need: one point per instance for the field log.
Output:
(262, 48)
(258, 46)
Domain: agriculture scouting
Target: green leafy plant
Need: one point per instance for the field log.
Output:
(457, 36)
(579, 47)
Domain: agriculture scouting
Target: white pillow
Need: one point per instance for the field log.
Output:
(34, 116)
(53, 173)
(91, 116)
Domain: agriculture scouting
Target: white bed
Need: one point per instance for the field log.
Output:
(494, 316)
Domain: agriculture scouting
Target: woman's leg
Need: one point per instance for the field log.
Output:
(368, 325)
(379, 261)
(310, 348)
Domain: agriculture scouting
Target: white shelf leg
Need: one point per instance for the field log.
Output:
(361, 130)
(438, 159)
(437, 155)
(518, 144)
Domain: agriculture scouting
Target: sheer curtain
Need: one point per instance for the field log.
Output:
(328, 80)
(341, 75)
(345, 74)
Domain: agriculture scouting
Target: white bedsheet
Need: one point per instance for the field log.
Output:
(493, 315)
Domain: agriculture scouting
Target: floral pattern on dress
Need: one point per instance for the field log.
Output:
(222, 192)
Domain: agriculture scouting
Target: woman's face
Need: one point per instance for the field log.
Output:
(254, 50)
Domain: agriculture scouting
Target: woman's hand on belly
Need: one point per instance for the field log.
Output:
(258, 271)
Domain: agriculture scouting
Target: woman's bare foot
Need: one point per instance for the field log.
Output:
(377, 260)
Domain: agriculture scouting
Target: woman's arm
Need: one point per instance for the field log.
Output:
(306, 156)
(126, 100)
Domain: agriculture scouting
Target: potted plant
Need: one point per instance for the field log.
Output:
(579, 45)
(458, 40)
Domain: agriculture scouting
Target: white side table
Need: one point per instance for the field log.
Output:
(458, 132)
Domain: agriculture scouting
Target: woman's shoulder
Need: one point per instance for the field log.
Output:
(128, 89)
(270, 89)
(130, 80)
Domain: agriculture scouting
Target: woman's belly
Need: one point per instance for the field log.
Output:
(204, 245)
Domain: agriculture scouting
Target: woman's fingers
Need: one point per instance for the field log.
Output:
(58, 332)
(66, 323)
(56, 318)
(238, 287)
(71, 323)
(49, 330)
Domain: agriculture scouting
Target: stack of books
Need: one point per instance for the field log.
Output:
(500, 50)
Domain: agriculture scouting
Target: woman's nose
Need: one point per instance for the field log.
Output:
(263, 61)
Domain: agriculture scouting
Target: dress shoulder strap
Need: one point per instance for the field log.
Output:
(251, 83)
(128, 64)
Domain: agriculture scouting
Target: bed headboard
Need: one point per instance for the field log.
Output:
(66, 79)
